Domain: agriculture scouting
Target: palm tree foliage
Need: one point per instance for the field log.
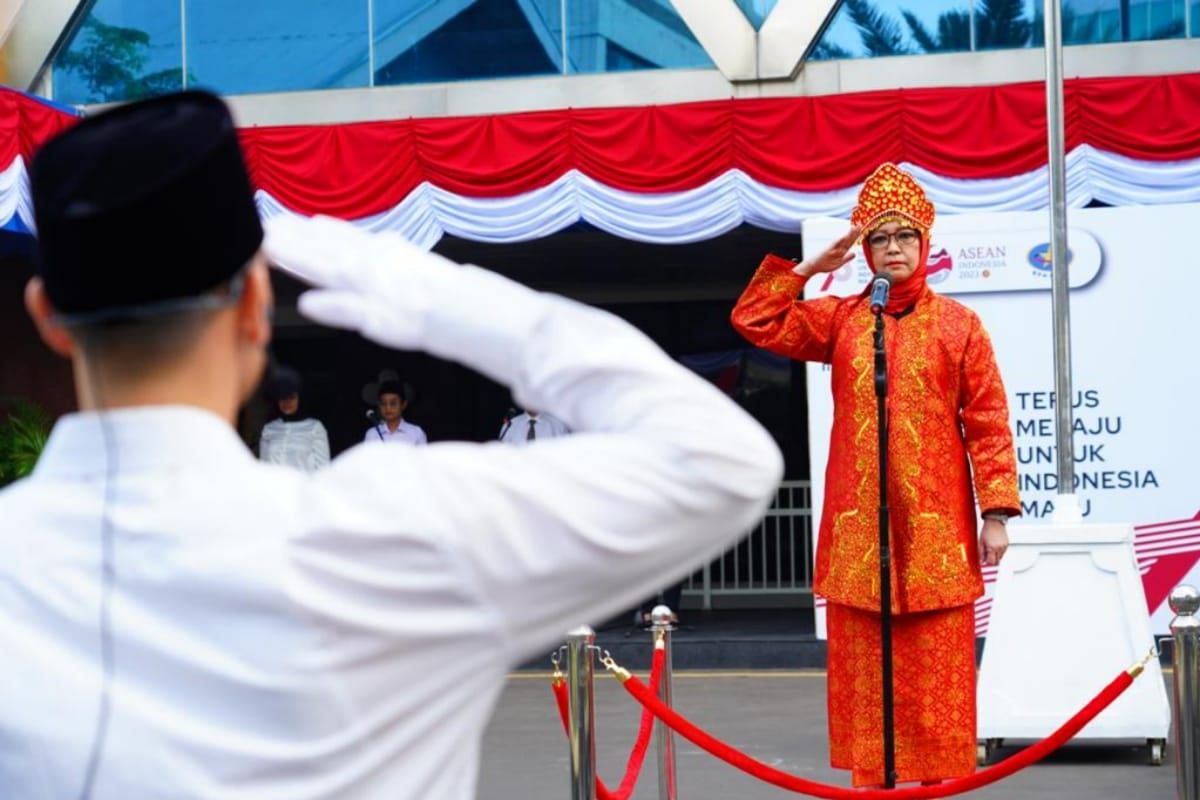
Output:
(880, 34)
(953, 32)
(998, 23)
(1001, 23)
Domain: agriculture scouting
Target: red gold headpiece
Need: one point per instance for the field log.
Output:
(892, 194)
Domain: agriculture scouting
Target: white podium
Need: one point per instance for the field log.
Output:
(1068, 613)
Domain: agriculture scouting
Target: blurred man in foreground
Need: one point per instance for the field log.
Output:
(184, 621)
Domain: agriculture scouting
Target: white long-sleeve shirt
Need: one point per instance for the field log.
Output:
(345, 633)
(405, 433)
(303, 444)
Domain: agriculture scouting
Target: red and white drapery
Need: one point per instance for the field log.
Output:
(692, 171)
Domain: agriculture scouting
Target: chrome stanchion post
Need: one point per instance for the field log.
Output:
(662, 622)
(582, 728)
(1185, 629)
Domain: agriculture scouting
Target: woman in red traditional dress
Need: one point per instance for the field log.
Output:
(950, 452)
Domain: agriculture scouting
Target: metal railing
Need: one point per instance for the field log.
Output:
(774, 559)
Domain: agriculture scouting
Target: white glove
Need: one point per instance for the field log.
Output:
(375, 283)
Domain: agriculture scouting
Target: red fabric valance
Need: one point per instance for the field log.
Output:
(805, 143)
(25, 123)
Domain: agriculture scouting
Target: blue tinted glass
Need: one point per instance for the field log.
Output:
(1001, 24)
(418, 41)
(1195, 15)
(122, 50)
(1089, 21)
(756, 11)
(620, 35)
(237, 47)
(864, 28)
(1155, 19)
(1097, 21)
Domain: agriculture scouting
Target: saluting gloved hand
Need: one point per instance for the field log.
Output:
(378, 284)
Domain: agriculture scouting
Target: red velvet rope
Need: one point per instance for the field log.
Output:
(637, 756)
(764, 772)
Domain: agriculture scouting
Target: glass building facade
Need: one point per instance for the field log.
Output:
(868, 28)
(125, 49)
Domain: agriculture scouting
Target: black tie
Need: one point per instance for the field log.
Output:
(532, 434)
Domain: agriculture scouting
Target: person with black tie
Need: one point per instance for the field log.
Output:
(529, 426)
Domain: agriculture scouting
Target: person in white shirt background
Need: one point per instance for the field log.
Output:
(293, 438)
(529, 426)
(391, 426)
(184, 621)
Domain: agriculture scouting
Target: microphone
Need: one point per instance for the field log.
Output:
(881, 287)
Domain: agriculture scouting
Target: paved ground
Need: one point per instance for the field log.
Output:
(777, 717)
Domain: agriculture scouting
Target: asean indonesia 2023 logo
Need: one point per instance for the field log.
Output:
(939, 265)
(1042, 261)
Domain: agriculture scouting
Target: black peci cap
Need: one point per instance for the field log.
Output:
(142, 207)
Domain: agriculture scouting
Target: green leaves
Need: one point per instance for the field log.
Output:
(23, 433)
(111, 61)
(880, 34)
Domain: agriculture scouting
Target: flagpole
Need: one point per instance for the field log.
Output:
(1066, 506)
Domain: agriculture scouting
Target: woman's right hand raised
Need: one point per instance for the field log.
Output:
(836, 256)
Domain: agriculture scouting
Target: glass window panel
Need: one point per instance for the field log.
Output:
(865, 28)
(122, 50)
(1090, 21)
(419, 41)
(239, 47)
(756, 11)
(1003, 24)
(1154, 19)
(617, 35)
(840, 39)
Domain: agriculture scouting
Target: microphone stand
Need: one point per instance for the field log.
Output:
(506, 423)
(376, 423)
(885, 561)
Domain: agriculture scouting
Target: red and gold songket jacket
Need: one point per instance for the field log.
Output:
(945, 401)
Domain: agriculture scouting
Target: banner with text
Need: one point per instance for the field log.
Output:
(1135, 376)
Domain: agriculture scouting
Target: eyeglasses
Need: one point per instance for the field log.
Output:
(905, 237)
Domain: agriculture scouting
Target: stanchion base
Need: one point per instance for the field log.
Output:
(985, 749)
(1158, 748)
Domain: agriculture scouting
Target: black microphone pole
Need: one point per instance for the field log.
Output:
(373, 417)
(507, 422)
(885, 550)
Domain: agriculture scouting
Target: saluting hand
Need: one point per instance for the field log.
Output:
(375, 283)
(836, 256)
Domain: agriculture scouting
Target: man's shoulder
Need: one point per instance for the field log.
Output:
(17, 498)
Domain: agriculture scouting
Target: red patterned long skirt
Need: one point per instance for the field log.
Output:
(934, 670)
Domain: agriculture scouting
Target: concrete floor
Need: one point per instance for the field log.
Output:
(777, 717)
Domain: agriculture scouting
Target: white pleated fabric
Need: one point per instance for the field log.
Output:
(720, 205)
(14, 194)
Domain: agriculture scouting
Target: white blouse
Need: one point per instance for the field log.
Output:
(303, 444)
